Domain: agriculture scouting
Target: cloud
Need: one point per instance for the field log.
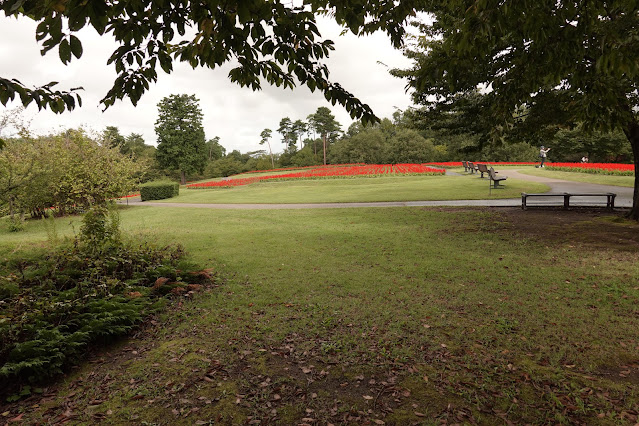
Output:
(236, 114)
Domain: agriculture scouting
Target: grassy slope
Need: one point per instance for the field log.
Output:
(628, 181)
(344, 311)
(404, 188)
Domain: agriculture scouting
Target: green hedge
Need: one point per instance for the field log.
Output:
(159, 190)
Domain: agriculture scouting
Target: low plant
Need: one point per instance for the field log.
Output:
(53, 306)
(16, 224)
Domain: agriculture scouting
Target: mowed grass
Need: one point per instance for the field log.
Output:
(371, 189)
(627, 181)
(395, 315)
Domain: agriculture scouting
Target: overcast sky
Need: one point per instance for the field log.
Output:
(236, 114)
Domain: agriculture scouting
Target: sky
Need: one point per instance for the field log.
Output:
(237, 115)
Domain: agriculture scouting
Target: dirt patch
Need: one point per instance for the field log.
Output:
(592, 228)
(623, 374)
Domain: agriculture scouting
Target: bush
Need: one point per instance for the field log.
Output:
(159, 190)
(54, 305)
(16, 224)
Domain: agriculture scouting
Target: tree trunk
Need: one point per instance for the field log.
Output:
(182, 178)
(11, 211)
(271, 151)
(324, 140)
(632, 133)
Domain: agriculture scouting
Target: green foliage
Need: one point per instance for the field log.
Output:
(543, 65)
(16, 224)
(214, 149)
(517, 152)
(276, 42)
(304, 157)
(181, 142)
(100, 229)
(383, 143)
(600, 147)
(68, 171)
(54, 305)
(159, 190)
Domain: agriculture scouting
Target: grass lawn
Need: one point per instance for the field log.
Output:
(387, 316)
(400, 188)
(628, 181)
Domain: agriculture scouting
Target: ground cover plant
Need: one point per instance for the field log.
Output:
(58, 300)
(321, 172)
(385, 316)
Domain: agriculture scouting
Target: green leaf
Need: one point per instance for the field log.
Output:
(65, 51)
(76, 46)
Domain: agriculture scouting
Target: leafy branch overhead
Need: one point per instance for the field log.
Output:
(274, 41)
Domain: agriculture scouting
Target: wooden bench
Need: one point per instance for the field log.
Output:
(495, 179)
(610, 197)
(482, 168)
(471, 166)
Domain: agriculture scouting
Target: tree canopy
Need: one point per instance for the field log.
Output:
(181, 141)
(277, 41)
(68, 171)
(567, 62)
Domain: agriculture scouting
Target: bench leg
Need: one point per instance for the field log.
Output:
(523, 202)
(566, 201)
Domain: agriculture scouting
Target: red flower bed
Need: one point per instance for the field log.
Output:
(601, 168)
(331, 172)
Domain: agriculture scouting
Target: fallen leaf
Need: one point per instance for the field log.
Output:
(418, 414)
(368, 397)
(17, 418)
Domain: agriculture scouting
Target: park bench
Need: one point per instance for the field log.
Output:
(471, 166)
(610, 197)
(482, 168)
(465, 164)
(495, 179)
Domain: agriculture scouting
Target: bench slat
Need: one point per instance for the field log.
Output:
(610, 197)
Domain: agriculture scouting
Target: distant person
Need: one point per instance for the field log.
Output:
(542, 155)
(584, 159)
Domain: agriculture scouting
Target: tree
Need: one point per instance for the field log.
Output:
(276, 40)
(112, 137)
(180, 135)
(565, 62)
(68, 171)
(298, 128)
(266, 136)
(135, 146)
(214, 149)
(288, 135)
(325, 124)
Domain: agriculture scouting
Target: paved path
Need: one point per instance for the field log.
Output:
(624, 198)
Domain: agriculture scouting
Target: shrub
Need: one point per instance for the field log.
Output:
(159, 190)
(56, 305)
(16, 224)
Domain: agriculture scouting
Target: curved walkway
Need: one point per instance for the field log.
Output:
(624, 198)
